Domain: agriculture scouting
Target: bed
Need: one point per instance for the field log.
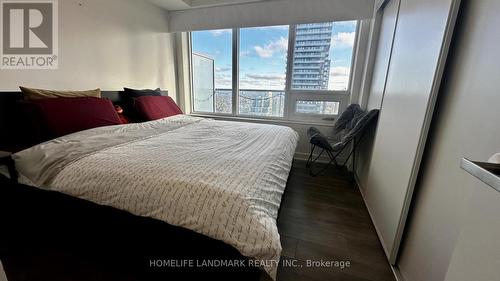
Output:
(193, 189)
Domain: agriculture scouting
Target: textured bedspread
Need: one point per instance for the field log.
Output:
(221, 179)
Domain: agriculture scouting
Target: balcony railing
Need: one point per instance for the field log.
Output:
(251, 102)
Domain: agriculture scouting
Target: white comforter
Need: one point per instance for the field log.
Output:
(221, 179)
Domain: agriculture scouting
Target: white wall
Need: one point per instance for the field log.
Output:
(106, 44)
(477, 251)
(451, 234)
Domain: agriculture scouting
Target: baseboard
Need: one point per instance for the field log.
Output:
(323, 159)
(394, 268)
(361, 190)
(356, 179)
(304, 156)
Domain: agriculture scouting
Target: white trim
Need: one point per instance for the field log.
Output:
(183, 57)
(371, 54)
(289, 70)
(360, 55)
(235, 65)
(379, 4)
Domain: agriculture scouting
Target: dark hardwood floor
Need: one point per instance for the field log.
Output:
(324, 218)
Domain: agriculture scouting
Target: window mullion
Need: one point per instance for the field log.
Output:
(190, 63)
(236, 70)
(288, 110)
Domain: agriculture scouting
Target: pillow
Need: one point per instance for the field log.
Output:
(156, 107)
(128, 101)
(132, 93)
(32, 94)
(64, 116)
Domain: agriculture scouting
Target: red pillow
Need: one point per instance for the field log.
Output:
(63, 116)
(156, 107)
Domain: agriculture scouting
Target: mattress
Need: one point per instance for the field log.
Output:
(222, 179)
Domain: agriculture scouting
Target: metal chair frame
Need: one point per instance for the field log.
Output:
(333, 156)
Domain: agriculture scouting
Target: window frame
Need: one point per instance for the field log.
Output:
(291, 95)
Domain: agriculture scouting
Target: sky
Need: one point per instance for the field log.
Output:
(263, 52)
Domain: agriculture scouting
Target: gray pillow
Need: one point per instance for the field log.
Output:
(133, 93)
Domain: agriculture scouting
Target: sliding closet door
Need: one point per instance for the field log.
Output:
(421, 40)
(389, 17)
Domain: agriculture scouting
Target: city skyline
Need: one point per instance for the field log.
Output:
(263, 55)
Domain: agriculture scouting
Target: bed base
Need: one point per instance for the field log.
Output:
(49, 236)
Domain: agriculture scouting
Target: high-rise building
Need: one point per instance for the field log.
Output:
(311, 61)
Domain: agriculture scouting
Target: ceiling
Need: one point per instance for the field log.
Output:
(176, 5)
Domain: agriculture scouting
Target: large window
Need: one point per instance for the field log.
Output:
(212, 71)
(322, 56)
(293, 72)
(262, 70)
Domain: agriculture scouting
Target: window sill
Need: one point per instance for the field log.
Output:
(263, 120)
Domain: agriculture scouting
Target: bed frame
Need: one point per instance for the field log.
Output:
(51, 236)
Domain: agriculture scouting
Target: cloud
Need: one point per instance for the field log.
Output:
(344, 39)
(223, 69)
(223, 80)
(267, 81)
(270, 77)
(268, 50)
(220, 32)
(263, 52)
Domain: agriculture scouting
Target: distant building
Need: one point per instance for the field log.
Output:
(262, 103)
(311, 62)
(311, 71)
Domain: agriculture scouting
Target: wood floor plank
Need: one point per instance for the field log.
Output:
(324, 218)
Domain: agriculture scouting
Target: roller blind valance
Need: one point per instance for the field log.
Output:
(268, 13)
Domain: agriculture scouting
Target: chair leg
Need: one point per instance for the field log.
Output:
(315, 158)
(315, 174)
(332, 160)
(348, 157)
(309, 160)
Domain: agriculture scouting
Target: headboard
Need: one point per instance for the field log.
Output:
(8, 115)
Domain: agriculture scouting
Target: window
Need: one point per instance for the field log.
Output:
(262, 72)
(299, 72)
(212, 70)
(322, 56)
(317, 107)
